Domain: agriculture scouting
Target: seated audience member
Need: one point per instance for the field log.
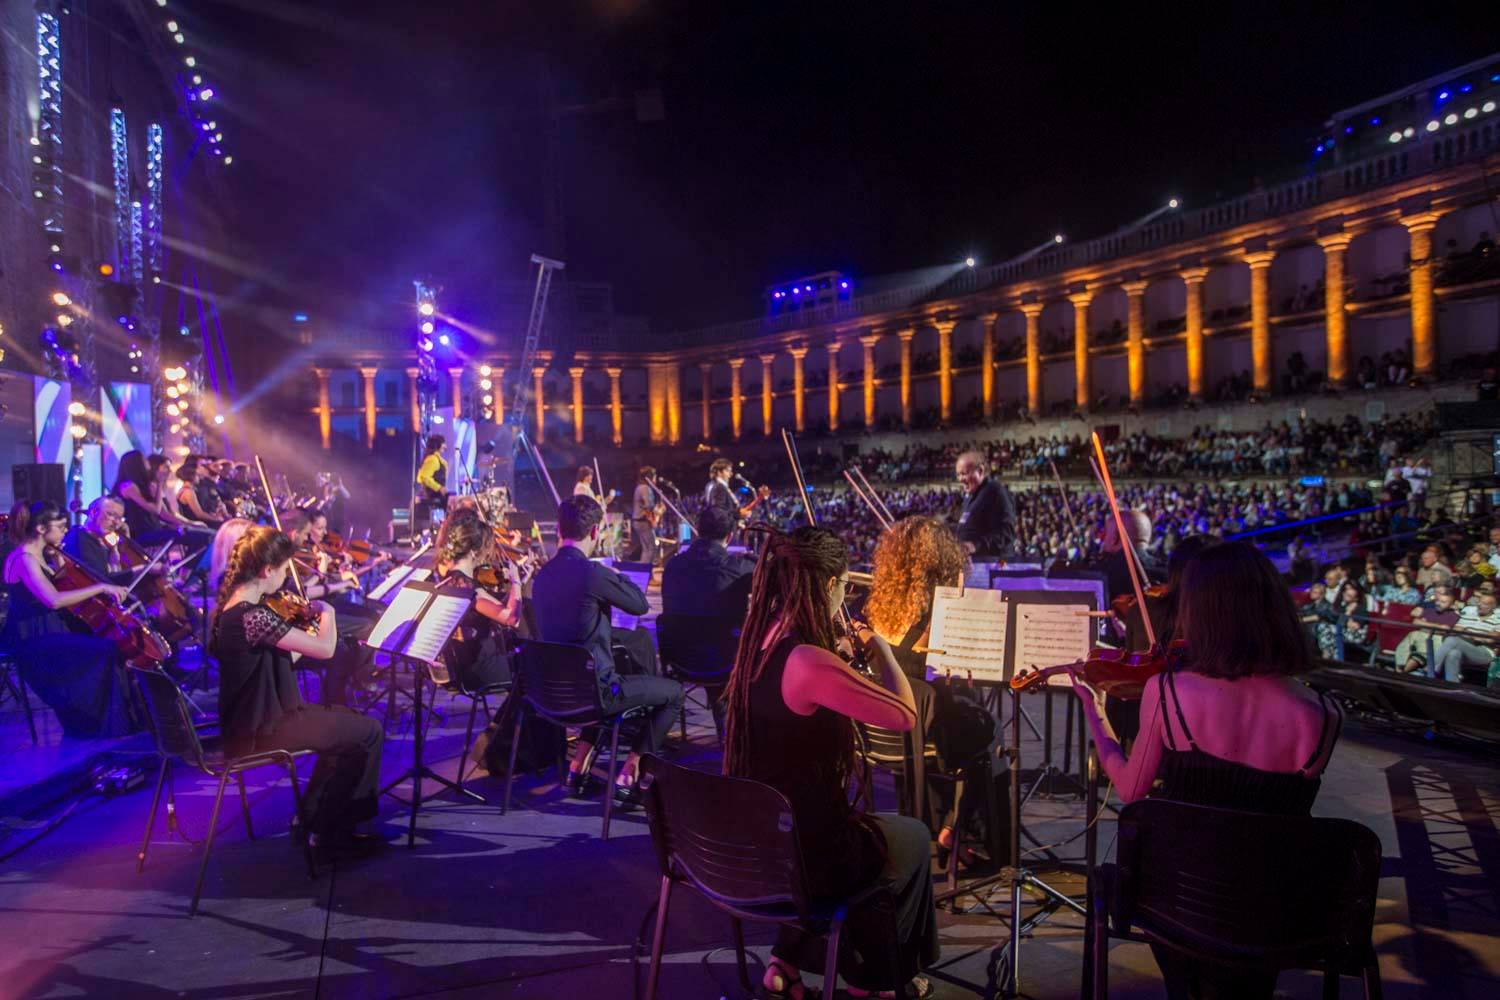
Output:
(1440, 610)
(1432, 571)
(1234, 728)
(706, 579)
(573, 597)
(1475, 644)
(792, 705)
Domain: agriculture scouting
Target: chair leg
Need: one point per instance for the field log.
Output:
(614, 770)
(307, 851)
(831, 963)
(239, 779)
(739, 953)
(17, 685)
(510, 771)
(1331, 983)
(682, 715)
(208, 842)
(161, 779)
(659, 938)
(1371, 975)
(463, 758)
(1098, 958)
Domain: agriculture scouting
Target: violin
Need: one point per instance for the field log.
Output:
(169, 609)
(1117, 672)
(135, 640)
(295, 610)
(1124, 604)
(357, 550)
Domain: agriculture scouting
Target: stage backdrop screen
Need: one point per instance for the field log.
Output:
(50, 399)
(125, 419)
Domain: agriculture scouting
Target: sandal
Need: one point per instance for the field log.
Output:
(792, 986)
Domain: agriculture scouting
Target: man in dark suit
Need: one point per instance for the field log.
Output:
(987, 526)
(86, 543)
(573, 596)
(718, 494)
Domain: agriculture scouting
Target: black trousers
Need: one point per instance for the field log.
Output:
(342, 790)
(661, 695)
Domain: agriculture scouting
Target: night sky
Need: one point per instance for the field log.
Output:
(377, 141)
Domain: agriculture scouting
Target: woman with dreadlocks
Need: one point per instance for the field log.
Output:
(792, 704)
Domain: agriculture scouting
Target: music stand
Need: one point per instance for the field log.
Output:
(415, 627)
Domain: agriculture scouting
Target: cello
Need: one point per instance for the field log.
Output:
(136, 641)
(169, 609)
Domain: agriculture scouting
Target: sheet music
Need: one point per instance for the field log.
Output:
(1051, 634)
(968, 633)
(433, 631)
(622, 620)
(396, 578)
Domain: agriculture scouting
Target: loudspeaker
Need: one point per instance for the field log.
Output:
(38, 481)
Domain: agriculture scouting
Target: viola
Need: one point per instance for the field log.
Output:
(1116, 672)
(135, 640)
(169, 609)
(295, 610)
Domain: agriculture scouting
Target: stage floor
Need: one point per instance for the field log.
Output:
(534, 904)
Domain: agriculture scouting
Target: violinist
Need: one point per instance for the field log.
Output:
(790, 720)
(152, 517)
(1234, 728)
(198, 495)
(261, 709)
(913, 557)
(352, 660)
(90, 543)
(79, 675)
(333, 499)
(476, 657)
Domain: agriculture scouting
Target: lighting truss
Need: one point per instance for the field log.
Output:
(153, 199)
(48, 148)
(151, 312)
(137, 241)
(119, 152)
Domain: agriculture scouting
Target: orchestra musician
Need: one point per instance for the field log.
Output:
(1113, 560)
(792, 705)
(141, 483)
(80, 676)
(90, 544)
(913, 557)
(987, 526)
(476, 657)
(645, 511)
(261, 709)
(229, 532)
(352, 659)
(1234, 728)
(572, 597)
(432, 480)
(199, 495)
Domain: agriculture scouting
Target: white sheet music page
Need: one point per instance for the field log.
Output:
(398, 577)
(1048, 635)
(426, 643)
(624, 620)
(968, 633)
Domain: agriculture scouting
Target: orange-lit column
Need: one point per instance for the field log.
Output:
(1260, 318)
(797, 353)
(674, 404)
(497, 390)
(987, 365)
(325, 411)
(656, 402)
(704, 369)
(1334, 320)
(833, 384)
(368, 375)
(736, 397)
(1081, 392)
(905, 337)
(576, 375)
(1192, 279)
(456, 376)
(1135, 340)
(416, 400)
(616, 411)
(765, 392)
(868, 342)
(945, 368)
(1033, 313)
(539, 401)
(1423, 306)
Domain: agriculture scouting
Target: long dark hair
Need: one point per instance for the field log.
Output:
(790, 585)
(24, 517)
(133, 469)
(257, 550)
(1238, 617)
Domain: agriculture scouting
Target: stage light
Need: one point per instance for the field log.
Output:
(171, 392)
(1172, 203)
(843, 284)
(485, 371)
(184, 450)
(1395, 137)
(171, 25)
(183, 386)
(1471, 112)
(173, 409)
(1444, 96)
(228, 160)
(427, 326)
(197, 79)
(489, 399)
(443, 339)
(190, 62)
(60, 298)
(1434, 125)
(437, 418)
(968, 261)
(206, 94)
(1488, 107)
(135, 369)
(179, 38)
(161, 3)
(76, 408)
(426, 309)
(218, 418)
(795, 291)
(1466, 88)
(485, 383)
(1450, 120)
(77, 430)
(104, 269)
(426, 344)
(1058, 238)
(182, 330)
(63, 319)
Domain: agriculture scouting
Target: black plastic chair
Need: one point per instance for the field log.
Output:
(13, 685)
(698, 651)
(477, 696)
(558, 686)
(177, 739)
(1254, 892)
(734, 841)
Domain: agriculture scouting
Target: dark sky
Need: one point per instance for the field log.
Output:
(376, 141)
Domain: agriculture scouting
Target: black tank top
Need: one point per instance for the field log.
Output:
(1192, 775)
(797, 755)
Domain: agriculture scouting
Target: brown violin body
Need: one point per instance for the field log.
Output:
(171, 613)
(294, 610)
(1117, 672)
(135, 640)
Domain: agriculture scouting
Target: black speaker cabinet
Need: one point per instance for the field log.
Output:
(39, 481)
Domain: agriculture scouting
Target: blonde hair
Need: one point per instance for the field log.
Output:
(914, 555)
(229, 532)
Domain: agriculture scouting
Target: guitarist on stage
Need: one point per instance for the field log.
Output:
(432, 478)
(721, 495)
(646, 509)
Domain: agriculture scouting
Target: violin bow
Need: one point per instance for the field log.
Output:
(1126, 542)
(662, 496)
(875, 496)
(1067, 507)
(265, 484)
(791, 454)
(536, 459)
(885, 522)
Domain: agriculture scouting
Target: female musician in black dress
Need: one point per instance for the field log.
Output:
(476, 657)
(1234, 728)
(141, 484)
(792, 703)
(79, 675)
(260, 707)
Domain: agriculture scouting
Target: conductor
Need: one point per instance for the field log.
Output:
(987, 526)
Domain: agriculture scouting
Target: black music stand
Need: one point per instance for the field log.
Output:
(415, 627)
